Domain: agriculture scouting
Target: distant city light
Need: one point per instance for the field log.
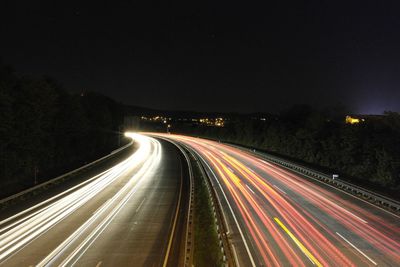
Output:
(352, 120)
(216, 122)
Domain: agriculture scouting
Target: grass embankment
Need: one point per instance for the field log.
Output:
(206, 245)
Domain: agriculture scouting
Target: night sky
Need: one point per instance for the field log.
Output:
(212, 56)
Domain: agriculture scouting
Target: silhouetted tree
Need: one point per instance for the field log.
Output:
(45, 131)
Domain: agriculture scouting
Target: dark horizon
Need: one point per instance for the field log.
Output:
(213, 57)
(154, 110)
(209, 133)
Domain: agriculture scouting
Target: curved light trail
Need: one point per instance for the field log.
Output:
(291, 221)
(23, 228)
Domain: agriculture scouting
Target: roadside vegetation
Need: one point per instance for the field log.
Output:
(367, 153)
(46, 131)
(206, 247)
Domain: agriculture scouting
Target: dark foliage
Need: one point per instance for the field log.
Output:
(45, 131)
(368, 153)
(206, 242)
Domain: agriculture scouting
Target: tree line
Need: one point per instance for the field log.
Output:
(367, 153)
(45, 131)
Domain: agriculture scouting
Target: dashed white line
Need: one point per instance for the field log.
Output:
(140, 205)
(336, 188)
(102, 206)
(250, 189)
(266, 163)
(362, 253)
(279, 189)
(349, 212)
(338, 207)
(364, 221)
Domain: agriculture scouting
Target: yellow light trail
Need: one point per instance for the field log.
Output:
(299, 244)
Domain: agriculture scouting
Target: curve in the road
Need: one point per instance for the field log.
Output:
(291, 220)
(103, 219)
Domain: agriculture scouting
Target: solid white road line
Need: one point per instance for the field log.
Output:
(232, 212)
(235, 255)
(362, 253)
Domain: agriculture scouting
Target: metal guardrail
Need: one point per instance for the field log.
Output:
(375, 198)
(217, 212)
(22, 194)
(189, 235)
(220, 223)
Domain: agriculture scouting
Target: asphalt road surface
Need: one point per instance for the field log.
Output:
(123, 216)
(277, 218)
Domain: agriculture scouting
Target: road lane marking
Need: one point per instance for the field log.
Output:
(364, 221)
(279, 189)
(334, 204)
(235, 255)
(299, 244)
(101, 207)
(103, 225)
(174, 222)
(35, 225)
(126, 192)
(347, 211)
(331, 186)
(266, 163)
(219, 202)
(250, 189)
(362, 253)
(140, 205)
(230, 208)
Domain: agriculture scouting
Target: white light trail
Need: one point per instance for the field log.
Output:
(23, 228)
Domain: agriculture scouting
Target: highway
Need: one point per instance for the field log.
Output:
(128, 215)
(278, 218)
